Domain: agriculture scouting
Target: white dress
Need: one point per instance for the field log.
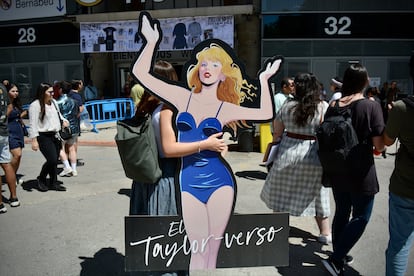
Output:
(293, 184)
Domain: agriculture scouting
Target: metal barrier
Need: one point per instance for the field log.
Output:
(104, 111)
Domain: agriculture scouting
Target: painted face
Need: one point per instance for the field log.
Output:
(210, 72)
(14, 92)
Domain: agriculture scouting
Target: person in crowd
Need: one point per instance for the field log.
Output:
(5, 156)
(335, 87)
(129, 83)
(211, 89)
(401, 188)
(287, 91)
(15, 113)
(354, 194)
(70, 111)
(383, 91)
(63, 156)
(90, 91)
(158, 199)
(294, 182)
(392, 92)
(390, 96)
(56, 88)
(77, 86)
(323, 95)
(5, 82)
(383, 97)
(372, 93)
(136, 93)
(44, 131)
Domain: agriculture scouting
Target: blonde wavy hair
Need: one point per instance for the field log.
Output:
(234, 89)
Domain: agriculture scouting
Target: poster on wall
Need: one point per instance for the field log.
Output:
(178, 34)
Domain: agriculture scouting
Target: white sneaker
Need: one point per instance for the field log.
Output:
(325, 239)
(20, 181)
(74, 173)
(66, 172)
(3, 208)
(14, 202)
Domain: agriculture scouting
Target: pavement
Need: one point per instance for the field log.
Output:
(81, 231)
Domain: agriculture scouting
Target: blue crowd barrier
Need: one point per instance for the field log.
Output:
(104, 111)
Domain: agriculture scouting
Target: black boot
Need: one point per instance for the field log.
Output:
(41, 185)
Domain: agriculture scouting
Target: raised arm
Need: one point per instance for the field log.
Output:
(272, 67)
(151, 33)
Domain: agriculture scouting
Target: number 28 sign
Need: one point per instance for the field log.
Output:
(26, 35)
(39, 34)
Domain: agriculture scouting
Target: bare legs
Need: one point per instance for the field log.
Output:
(10, 179)
(205, 225)
(323, 225)
(16, 157)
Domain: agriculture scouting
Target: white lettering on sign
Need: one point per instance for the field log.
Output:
(27, 35)
(33, 3)
(157, 249)
(338, 26)
(26, 9)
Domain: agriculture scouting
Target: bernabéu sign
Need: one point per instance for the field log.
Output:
(160, 243)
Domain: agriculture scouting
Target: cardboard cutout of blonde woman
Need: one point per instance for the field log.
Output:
(216, 85)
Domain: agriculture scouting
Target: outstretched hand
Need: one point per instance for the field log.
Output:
(272, 67)
(149, 29)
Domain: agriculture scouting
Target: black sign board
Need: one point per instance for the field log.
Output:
(338, 25)
(160, 243)
(39, 34)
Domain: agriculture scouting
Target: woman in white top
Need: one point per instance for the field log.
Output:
(44, 118)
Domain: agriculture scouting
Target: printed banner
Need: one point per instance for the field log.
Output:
(178, 34)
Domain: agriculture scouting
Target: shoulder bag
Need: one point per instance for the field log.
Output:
(24, 128)
(137, 149)
(65, 132)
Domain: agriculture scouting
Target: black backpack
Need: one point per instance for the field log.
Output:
(340, 152)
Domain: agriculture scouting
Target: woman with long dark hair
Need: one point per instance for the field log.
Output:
(354, 193)
(294, 182)
(44, 118)
(15, 113)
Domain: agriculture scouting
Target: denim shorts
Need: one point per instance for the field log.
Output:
(5, 155)
(73, 140)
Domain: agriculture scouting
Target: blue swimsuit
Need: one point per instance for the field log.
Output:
(201, 174)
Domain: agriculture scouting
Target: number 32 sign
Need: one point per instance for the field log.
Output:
(338, 26)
